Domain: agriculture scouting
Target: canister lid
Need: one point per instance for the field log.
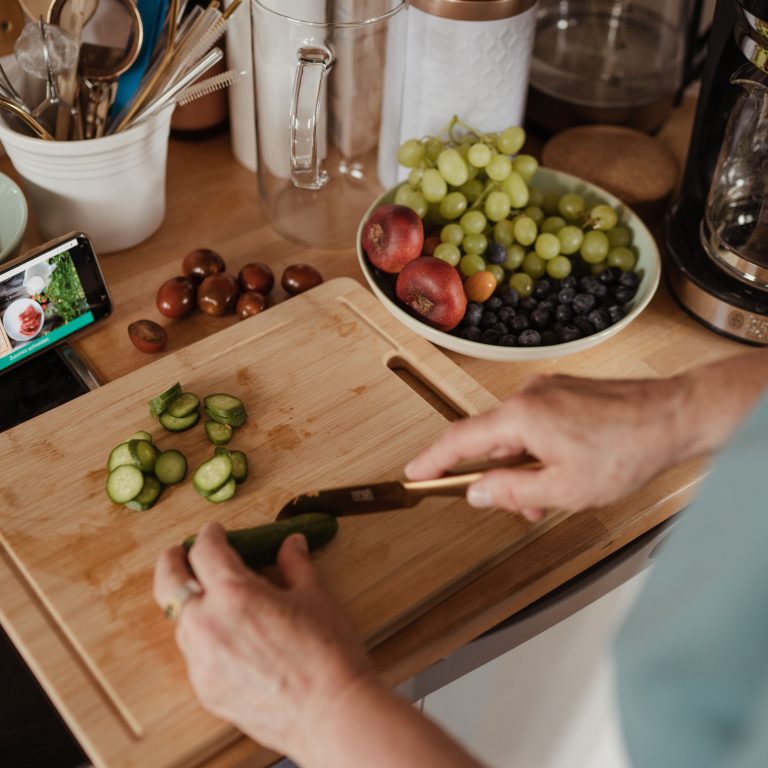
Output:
(473, 10)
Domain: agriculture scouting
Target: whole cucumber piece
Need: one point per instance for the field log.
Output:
(258, 546)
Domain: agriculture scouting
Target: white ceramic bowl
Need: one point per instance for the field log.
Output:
(12, 321)
(13, 217)
(547, 180)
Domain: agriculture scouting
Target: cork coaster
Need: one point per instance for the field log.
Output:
(630, 164)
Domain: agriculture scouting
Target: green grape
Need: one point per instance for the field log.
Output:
(452, 167)
(534, 265)
(595, 247)
(515, 256)
(473, 222)
(433, 186)
(415, 177)
(406, 195)
(471, 263)
(433, 148)
(571, 206)
(603, 217)
(497, 206)
(547, 246)
(535, 213)
(403, 194)
(552, 224)
(496, 271)
(559, 267)
(472, 171)
(447, 252)
(474, 243)
(516, 189)
(472, 190)
(601, 266)
(536, 197)
(522, 283)
(621, 257)
(479, 155)
(452, 233)
(570, 238)
(619, 237)
(526, 166)
(411, 153)
(510, 140)
(504, 233)
(499, 168)
(453, 205)
(525, 230)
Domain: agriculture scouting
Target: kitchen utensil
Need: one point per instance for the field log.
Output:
(319, 89)
(31, 122)
(48, 111)
(13, 218)
(612, 61)
(34, 9)
(208, 86)
(325, 402)
(549, 182)
(715, 231)
(72, 15)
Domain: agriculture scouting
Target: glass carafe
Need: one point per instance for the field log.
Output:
(734, 230)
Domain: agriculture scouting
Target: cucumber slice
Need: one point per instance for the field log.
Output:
(120, 456)
(124, 483)
(171, 467)
(141, 435)
(150, 493)
(233, 418)
(223, 403)
(239, 463)
(218, 434)
(212, 474)
(183, 405)
(174, 424)
(158, 404)
(144, 454)
(226, 492)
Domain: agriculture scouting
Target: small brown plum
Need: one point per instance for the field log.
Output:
(250, 303)
(256, 276)
(298, 278)
(218, 294)
(176, 297)
(201, 262)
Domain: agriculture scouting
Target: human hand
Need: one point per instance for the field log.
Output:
(273, 660)
(596, 440)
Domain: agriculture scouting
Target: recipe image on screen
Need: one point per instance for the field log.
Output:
(41, 302)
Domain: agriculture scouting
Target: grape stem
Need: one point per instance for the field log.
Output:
(490, 186)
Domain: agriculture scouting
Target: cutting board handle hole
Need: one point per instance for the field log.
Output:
(425, 389)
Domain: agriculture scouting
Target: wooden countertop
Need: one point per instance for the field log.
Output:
(213, 202)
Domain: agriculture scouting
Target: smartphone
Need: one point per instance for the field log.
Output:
(47, 295)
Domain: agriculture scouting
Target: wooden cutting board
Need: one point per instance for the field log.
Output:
(326, 406)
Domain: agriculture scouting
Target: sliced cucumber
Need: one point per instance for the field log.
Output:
(144, 454)
(120, 456)
(233, 418)
(124, 483)
(150, 493)
(158, 404)
(141, 435)
(183, 405)
(171, 467)
(218, 434)
(239, 463)
(174, 424)
(212, 474)
(223, 403)
(226, 492)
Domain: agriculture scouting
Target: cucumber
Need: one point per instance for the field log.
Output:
(226, 492)
(218, 434)
(223, 403)
(174, 424)
(144, 454)
(120, 455)
(159, 403)
(212, 474)
(170, 467)
(141, 435)
(233, 418)
(239, 463)
(259, 546)
(124, 483)
(183, 405)
(150, 493)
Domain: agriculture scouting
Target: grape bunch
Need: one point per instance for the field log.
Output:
(483, 215)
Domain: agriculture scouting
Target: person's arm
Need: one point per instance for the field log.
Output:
(283, 664)
(597, 440)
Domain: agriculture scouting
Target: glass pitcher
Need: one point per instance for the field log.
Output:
(734, 230)
(320, 96)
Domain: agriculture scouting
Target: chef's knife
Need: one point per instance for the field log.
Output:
(382, 497)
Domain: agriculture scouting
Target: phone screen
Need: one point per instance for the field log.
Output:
(49, 297)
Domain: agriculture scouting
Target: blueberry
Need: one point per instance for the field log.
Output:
(571, 282)
(566, 294)
(609, 275)
(548, 305)
(473, 314)
(510, 297)
(564, 313)
(569, 333)
(505, 314)
(629, 280)
(588, 281)
(616, 312)
(542, 288)
(518, 323)
(540, 318)
(583, 303)
(500, 328)
(598, 290)
(489, 336)
(494, 303)
(488, 319)
(586, 328)
(599, 318)
(623, 295)
(529, 338)
(529, 304)
(548, 338)
(495, 253)
(508, 341)
(471, 333)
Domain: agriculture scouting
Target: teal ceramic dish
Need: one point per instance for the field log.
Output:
(13, 218)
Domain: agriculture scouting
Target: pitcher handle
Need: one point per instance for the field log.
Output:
(314, 63)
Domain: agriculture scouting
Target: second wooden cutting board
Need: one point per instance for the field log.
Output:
(325, 407)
